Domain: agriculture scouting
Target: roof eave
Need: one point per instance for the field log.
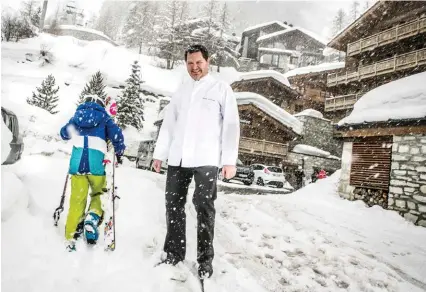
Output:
(383, 124)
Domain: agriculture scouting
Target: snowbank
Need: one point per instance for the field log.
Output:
(260, 25)
(311, 113)
(315, 68)
(270, 108)
(14, 195)
(84, 29)
(6, 138)
(292, 53)
(264, 74)
(290, 29)
(402, 99)
(311, 150)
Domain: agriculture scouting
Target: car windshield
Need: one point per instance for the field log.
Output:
(275, 169)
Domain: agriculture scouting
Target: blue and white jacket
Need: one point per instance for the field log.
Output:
(93, 127)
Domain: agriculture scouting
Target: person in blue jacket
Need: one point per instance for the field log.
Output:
(89, 129)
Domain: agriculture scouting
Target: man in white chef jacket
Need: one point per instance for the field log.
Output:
(199, 134)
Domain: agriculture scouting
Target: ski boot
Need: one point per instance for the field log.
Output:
(70, 246)
(91, 224)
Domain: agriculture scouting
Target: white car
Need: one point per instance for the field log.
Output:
(269, 175)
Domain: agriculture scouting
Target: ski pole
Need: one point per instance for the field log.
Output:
(60, 209)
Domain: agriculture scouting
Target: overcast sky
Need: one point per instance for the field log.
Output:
(316, 16)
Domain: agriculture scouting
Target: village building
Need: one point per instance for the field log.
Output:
(311, 83)
(273, 85)
(386, 43)
(384, 151)
(279, 46)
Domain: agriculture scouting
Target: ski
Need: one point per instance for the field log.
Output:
(111, 188)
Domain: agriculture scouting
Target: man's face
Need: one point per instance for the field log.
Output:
(196, 65)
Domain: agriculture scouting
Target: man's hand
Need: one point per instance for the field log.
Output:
(229, 171)
(157, 165)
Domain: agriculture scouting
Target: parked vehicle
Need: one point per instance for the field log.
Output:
(269, 175)
(244, 174)
(17, 144)
(144, 157)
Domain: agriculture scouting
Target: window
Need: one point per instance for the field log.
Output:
(275, 59)
(275, 169)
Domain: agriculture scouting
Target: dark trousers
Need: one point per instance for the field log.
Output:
(178, 180)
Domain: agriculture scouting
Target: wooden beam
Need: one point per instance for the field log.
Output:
(398, 131)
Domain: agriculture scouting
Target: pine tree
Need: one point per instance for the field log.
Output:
(339, 21)
(95, 86)
(139, 25)
(354, 13)
(130, 104)
(46, 97)
(172, 34)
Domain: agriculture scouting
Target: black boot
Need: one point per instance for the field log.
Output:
(205, 270)
(79, 231)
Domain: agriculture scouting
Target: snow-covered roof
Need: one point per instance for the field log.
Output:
(301, 29)
(311, 150)
(315, 68)
(260, 25)
(311, 113)
(280, 51)
(270, 108)
(263, 74)
(401, 99)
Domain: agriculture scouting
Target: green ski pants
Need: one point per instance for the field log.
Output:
(78, 200)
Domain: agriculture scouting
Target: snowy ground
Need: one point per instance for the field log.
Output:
(310, 240)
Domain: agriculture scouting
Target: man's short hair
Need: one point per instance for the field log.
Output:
(197, 48)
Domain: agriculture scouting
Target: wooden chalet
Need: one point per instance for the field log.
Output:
(266, 130)
(276, 45)
(273, 86)
(311, 83)
(385, 43)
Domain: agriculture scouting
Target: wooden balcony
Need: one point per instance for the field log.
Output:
(388, 36)
(263, 147)
(401, 62)
(341, 102)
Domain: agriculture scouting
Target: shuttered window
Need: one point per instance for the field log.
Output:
(371, 163)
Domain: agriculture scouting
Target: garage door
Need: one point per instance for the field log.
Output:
(371, 163)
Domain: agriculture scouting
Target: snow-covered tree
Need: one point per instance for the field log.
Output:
(111, 17)
(139, 25)
(172, 35)
(224, 53)
(130, 104)
(212, 32)
(46, 97)
(355, 12)
(340, 21)
(95, 86)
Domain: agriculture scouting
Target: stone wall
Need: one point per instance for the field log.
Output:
(318, 132)
(407, 191)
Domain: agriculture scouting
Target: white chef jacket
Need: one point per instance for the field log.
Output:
(201, 125)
